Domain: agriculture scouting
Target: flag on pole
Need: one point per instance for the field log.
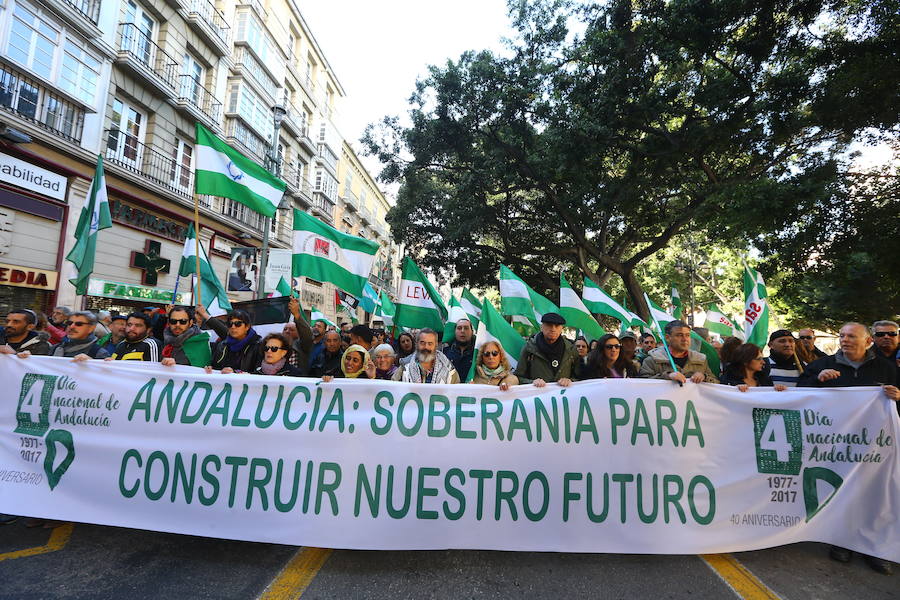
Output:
(340, 303)
(386, 310)
(677, 306)
(738, 331)
(756, 308)
(213, 295)
(419, 305)
(655, 314)
(472, 306)
(717, 322)
(455, 313)
(517, 298)
(220, 170)
(574, 311)
(599, 302)
(369, 299)
(94, 217)
(282, 289)
(326, 254)
(523, 325)
(317, 315)
(494, 328)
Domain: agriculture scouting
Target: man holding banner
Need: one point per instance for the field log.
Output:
(688, 363)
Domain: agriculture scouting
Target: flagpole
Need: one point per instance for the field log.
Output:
(199, 295)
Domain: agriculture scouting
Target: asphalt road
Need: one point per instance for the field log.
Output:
(89, 561)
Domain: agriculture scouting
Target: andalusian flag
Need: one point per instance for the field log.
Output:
(657, 314)
(756, 308)
(494, 328)
(517, 298)
(212, 294)
(317, 315)
(282, 289)
(94, 217)
(326, 254)
(419, 305)
(599, 302)
(472, 306)
(717, 322)
(677, 306)
(454, 314)
(738, 329)
(386, 310)
(220, 170)
(574, 311)
(523, 325)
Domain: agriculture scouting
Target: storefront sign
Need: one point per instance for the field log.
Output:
(145, 221)
(128, 291)
(27, 277)
(150, 262)
(30, 177)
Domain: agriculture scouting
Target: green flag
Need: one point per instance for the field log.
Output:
(197, 349)
(94, 217)
(523, 325)
(283, 288)
(454, 314)
(712, 356)
(517, 298)
(717, 322)
(599, 302)
(317, 315)
(213, 295)
(756, 308)
(419, 305)
(574, 311)
(220, 170)
(494, 328)
(472, 306)
(386, 310)
(677, 306)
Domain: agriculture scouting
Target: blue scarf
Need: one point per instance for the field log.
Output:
(236, 346)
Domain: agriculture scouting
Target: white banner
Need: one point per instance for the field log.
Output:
(633, 466)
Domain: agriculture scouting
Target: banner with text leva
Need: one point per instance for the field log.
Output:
(629, 466)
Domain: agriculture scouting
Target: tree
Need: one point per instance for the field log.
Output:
(592, 150)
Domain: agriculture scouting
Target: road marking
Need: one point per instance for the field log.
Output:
(743, 582)
(58, 539)
(297, 574)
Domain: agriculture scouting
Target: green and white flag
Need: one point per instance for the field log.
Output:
(738, 329)
(599, 302)
(677, 306)
(517, 298)
(326, 254)
(523, 325)
(317, 315)
(455, 313)
(386, 310)
(94, 217)
(220, 170)
(282, 289)
(756, 308)
(418, 304)
(212, 294)
(574, 311)
(657, 314)
(494, 328)
(369, 299)
(717, 322)
(472, 306)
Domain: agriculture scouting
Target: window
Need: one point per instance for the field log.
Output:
(126, 134)
(252, 109)
(33, 40)
(180, 172)
(80, 73)
(137, 37)
(251, 31)
(192, 80)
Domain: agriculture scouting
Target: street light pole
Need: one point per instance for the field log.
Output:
(274, 167)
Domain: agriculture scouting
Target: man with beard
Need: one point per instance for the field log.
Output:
(808, 340)
(184, 342)
(548, 356)
(782, 363)
(138, 343)
(429, 365)
(328, 362)
(20, 334)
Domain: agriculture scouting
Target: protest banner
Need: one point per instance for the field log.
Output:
(624, 466)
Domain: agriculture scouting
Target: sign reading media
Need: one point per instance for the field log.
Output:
(30, 177)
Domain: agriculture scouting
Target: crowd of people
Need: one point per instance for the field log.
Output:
(867, 356)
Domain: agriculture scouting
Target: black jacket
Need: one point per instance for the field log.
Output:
(34, 343)
(288, 370)
(762, 378)
(461, 358)
(246, 360)
(327, 364)
(873, 371)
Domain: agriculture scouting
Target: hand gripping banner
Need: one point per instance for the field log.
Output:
(628, 466)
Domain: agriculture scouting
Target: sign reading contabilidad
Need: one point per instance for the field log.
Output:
(631, 466)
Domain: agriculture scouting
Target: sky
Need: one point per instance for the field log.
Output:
(378, 49)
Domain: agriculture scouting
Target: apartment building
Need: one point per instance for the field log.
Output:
(129, 79)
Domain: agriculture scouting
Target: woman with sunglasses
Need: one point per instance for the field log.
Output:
(746, 370)
(276, 357)
(607, 360)
(355, 363)
(493, 367)
(239, 347)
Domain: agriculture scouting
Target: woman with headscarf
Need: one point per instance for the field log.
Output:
(493, 367)
(355, 363)
(385, 361)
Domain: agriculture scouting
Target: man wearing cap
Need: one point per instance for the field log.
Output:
(116, 333)
(689, 364)
(548, 356)
(782, 363)
(628, 339)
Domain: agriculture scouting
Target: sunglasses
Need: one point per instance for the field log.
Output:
(806, 337)
(76, 323)
(885, 333)
(274, 348)
(491, 353)
(178, 321)
(235, 323)
(612, 346)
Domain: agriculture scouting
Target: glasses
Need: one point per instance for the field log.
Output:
(885, 333)
(76, 323)
(806, 337)
(491, 353)
(235, 323)
(178, 321)
(274, 348)
(612, 346)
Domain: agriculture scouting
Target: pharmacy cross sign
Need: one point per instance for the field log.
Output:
(150, 261)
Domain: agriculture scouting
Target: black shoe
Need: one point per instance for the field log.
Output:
(7, 519)
(880, 565)
(839, 554)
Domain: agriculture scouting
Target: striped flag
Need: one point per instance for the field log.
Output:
(574, 311)
(326, 254)
(717, 322)
(756, 308)
(494, 328)
(454, 314)
(94, 217)
(472, 306)
(677, 306)
(599, 302)
(317, 315)
(340, 303)
(212, 294)
(220, 170)
(419, 304)
(517, 298)
(386, 309)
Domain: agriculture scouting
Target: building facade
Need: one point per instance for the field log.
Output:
(128, 80)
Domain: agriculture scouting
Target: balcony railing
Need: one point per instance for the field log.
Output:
(350, 199)
(213, 18)
(195, 94)
(89, 8)
(323, 206)
(35, 102)
(327, 156)
(124, 150)
(244, 59)
(140, 48)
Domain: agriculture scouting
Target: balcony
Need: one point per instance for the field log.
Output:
(305, 193)
(292, 176)
(149, 162)
(365, 215)
(82, 14)
(209, 22)
(327, 156)
(249, 68)
(198, 102)
(256, 5)
(351, 202)
(38, 104)
(323, 207)
(294, 119)
(243, 138)
(146, 59)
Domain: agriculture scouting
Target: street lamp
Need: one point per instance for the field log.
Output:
(274, 167)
